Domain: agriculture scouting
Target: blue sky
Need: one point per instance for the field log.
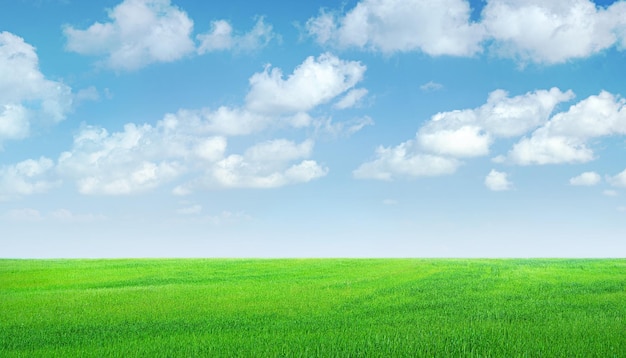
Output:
(373, 128)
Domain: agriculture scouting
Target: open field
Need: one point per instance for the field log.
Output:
(313, 307)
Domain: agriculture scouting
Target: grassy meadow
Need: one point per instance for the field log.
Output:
(313, 307)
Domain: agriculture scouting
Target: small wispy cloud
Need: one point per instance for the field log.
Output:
(59, 215)
(431, 86)
(351, 99)
(190, 210)
(229, 218)
(87, 94)
(618, 180)
(25, 214)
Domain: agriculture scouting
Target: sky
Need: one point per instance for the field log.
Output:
(372, 128)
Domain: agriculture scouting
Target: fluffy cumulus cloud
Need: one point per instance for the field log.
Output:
(546, 32)
(223, 120)
(450, 136)
(552, 31)
(505, 116)
(433, 27)
(141, 158)
(26, 95)
(268, 165)
(404, 160)
(564, 138)
(316, 81)
(190, 147)
(465, 141)
(221, 37)
(26, 178)
(139, 32)
(275, 101)
(136, 159)
(542, 148)
(498, 181)
(586, 179)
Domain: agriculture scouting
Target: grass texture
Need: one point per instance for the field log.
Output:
(313, 308)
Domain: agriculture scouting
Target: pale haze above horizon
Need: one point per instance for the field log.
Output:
(371, 128)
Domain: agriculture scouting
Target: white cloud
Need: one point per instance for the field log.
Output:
(26, 178)
(221, 37)
(268, 165)
(617, 10)
(305, 171)
(344, 128)
(351, 99)
(500, 116)
(210, 149)
(67, 216)
(87, 94)
(26, 96)
(404, 161)
(273, 101)
(595, 116)
(498, 181)
(505, 116)
(545, 32)
(431, 86)
(191, 145)
(563, 139)
(466, 141)
(59, 215)
(316, 81)
(242, 121)
(279, 150)
(586, 179)
(433, 27)
(224, 120)
(551, 31)
(139, 158)
(611, 193)
(470, 132)
(26, 214)
(228, 218)
(14, 122)
(140, 32)
(618, 180)
(463, 134)
(190, 210)
(545, 149)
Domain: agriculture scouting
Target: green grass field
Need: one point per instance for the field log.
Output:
(313, 307)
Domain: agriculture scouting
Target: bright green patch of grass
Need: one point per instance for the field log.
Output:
(313, 307)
